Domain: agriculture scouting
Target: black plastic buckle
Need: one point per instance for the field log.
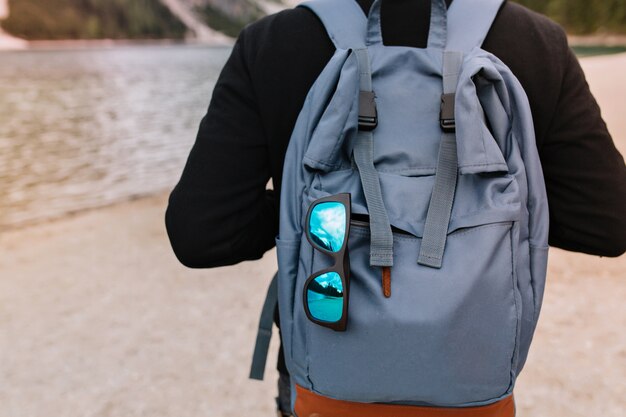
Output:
(446, 117)
(368, 115)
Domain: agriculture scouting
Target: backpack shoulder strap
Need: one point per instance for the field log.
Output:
(344, 21)
(469, 22)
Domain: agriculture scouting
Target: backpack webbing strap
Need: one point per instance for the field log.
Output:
(264, 334)
(469, 22)
(440, 208)
(381, 238)
(344, 21)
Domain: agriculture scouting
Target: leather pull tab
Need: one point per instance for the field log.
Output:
(387, 281)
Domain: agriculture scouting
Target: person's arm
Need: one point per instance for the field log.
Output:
(220, 213)
(585, 174)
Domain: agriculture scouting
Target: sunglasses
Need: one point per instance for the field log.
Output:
(326, 291)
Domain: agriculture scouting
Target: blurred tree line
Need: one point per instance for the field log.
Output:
(92, 19)
(583, 16)
(135, 19)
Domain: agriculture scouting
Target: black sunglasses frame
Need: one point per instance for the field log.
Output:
(341, 262)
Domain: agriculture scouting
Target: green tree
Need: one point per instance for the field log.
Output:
(92, 19)
(584, 16)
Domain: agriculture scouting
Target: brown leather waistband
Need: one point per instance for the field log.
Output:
(309, 404)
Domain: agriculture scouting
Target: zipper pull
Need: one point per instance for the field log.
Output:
(387, 281)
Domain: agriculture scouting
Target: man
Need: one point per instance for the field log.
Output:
(221, 213)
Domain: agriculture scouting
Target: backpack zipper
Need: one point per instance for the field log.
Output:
(386, 271)
(365, 223)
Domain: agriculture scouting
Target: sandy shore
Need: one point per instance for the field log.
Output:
(99, 319)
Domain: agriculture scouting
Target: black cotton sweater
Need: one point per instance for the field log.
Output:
(220, 213)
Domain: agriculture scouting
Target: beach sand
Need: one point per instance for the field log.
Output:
(99, 319)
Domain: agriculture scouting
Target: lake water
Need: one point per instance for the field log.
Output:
(89, 127)
(85, 128)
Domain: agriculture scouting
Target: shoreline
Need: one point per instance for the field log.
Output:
(597, 40)
(79, 44)
(105, 43)
(12, 43)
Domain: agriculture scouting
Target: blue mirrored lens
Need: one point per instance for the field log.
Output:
(325, 297)
(327, 225)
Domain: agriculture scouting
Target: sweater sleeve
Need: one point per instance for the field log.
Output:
(585, 174)
(220, 213)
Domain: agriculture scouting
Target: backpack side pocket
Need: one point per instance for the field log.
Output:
(538, 270)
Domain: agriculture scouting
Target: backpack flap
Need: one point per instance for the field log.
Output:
(478, 150)
(338, 122)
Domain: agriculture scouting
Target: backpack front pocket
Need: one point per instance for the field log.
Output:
(447, 336)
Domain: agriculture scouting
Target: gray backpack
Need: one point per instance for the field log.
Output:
(413, 218)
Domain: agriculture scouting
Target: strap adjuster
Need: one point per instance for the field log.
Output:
(446, 117)
(368, 115)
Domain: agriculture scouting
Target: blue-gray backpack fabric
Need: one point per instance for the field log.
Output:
(468, 279)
